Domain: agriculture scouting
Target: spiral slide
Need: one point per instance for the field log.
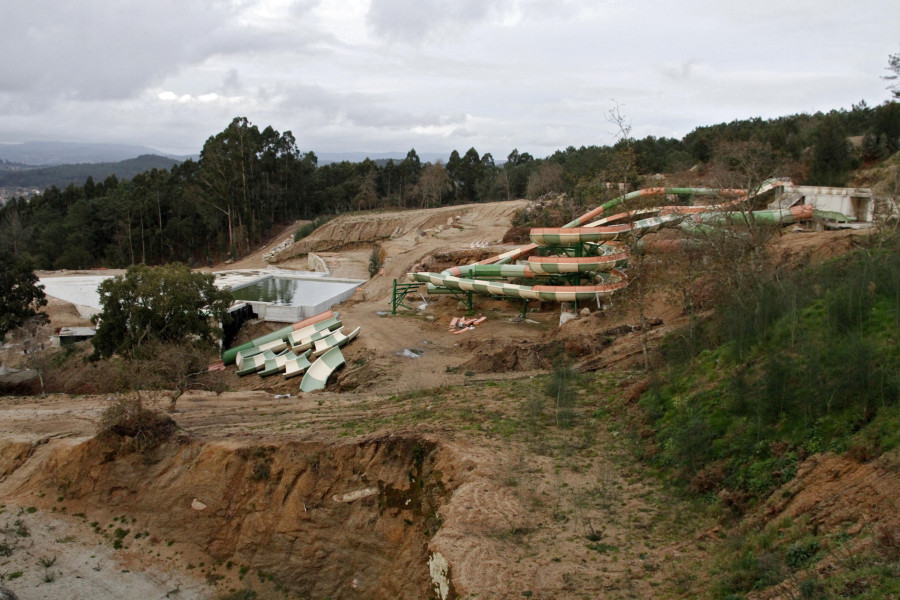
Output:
(588, 248)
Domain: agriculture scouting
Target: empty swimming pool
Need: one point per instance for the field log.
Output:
(289, 299)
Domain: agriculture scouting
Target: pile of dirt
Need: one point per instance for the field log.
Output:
(796, 250)
(490, 357)
(350, 230)
(444, 259)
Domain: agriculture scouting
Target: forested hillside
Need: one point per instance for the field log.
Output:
(248, 181)
(63, 175)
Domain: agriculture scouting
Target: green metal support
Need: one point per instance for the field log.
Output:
(400, 292)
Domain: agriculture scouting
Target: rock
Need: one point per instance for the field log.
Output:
(7, 594)
(584, 312)
(197, 505)
(565, 317)
(350, 497)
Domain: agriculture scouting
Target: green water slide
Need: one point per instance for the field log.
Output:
(585, 256)
(229, 356)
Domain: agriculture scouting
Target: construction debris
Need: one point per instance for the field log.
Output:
(462, 324)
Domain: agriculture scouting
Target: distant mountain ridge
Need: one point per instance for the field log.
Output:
(42, 154)
(379, 157)
(47, 154)
(30, 167)
(40, 178)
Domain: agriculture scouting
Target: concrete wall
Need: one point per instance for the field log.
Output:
(278, 314)
(291, 314)
(853, 202)
(309, 311)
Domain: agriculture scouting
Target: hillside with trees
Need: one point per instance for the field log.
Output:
(23, 176)
(249, 181)
(727, 428)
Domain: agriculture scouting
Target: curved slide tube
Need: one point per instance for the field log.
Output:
(297, 337)
(317, 375)
(256, 363)
(589, 234)
(229, 356)
(308, 342)
(297, 365)
(588, 217)
(552, 293)
(276, 365)
(275, 346)
(336, 340)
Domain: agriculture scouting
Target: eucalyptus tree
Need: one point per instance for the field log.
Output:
(21, 297)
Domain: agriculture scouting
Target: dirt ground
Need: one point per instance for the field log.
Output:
(525, 511)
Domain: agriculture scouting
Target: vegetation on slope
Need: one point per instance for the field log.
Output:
(63, 175)
(249, 181)
(20, 295)
(790, 365)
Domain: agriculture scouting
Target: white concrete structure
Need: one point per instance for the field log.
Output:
(857, 204)
(305, 294)
(80, 290)
(288, 298)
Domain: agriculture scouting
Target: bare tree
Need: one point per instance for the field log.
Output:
(743, 164)
(548, 178)
(624, 168)
(433, 183)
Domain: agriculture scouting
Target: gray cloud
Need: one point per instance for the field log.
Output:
(94, 50)
(383, 75)
(416, 20)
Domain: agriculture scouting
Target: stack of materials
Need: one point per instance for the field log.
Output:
(461, 324)
(290, 351)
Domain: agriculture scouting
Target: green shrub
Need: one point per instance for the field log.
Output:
(307, 228)
(376, 260)
(801, 553)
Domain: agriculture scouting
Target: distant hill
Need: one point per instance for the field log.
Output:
(40, 154)
(15, 176)
(381, 158)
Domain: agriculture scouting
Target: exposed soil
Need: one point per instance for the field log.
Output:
(424, 470)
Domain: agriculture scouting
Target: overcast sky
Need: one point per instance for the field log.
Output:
(434, 75)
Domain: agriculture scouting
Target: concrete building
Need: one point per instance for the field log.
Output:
(857, 204)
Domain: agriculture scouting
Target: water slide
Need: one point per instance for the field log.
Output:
(289, 350)
(336, 340)
(297, 365)
(587, 248)
(230, 356)
(277, 364)
(316, 376)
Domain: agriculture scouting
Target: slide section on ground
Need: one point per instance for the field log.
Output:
(316, 377)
